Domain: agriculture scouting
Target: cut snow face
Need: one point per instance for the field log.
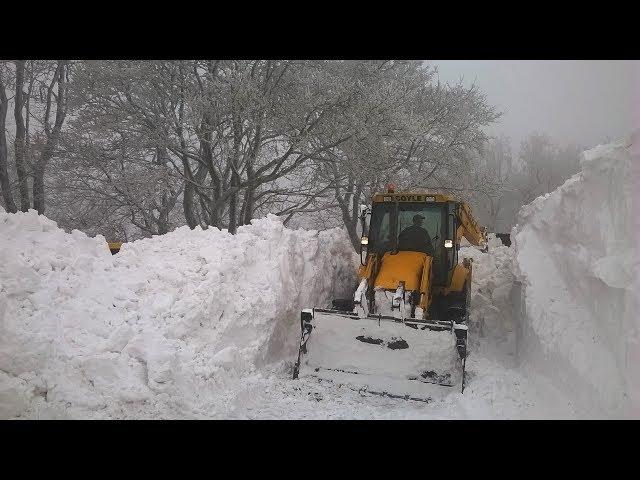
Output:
(576, 255)
(161, 327)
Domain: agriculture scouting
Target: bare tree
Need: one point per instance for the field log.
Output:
(55, 107)
(114, 181)
(39, 104)
(229, 128)
(20, 146)
(491, 191)
(234, 139)
(502, 183)
(5, 184)
(411, 132)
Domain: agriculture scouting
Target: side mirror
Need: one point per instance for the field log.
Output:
(364, 245)
(448, 243)
(364, 211)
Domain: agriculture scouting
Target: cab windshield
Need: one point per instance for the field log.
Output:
(419, 228)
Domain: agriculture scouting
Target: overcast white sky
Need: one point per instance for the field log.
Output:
(581, 102)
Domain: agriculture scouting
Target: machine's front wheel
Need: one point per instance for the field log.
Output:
(343, 304)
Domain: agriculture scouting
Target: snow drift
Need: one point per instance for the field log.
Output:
(150, 331)
(186, 325)
(576, 256)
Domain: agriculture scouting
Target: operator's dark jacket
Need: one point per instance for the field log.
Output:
(415, 238)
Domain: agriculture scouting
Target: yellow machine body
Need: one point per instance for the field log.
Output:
(114, 247)
(404, 266)
(415, 268)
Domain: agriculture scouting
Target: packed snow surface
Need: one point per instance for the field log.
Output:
(576, 255)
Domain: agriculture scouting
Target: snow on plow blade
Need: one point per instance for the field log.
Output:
(411, 359)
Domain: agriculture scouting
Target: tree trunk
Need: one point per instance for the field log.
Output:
(38, 188)
(5, 185)
(248, 206)
(201, 173)
(163, 217)
(163, 224)
(52, 135)
(235, 179)
(233, 205)
(350, 224)
(20, 143)
(249, 197)
(187, 203)
(167, 205)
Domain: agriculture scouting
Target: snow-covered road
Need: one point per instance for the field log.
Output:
(496, 386)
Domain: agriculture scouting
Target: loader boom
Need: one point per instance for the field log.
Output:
(469, 228)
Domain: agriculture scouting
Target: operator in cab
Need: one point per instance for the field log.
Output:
(415, 237)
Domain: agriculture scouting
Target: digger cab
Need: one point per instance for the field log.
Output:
(410, 245)
(415, 223)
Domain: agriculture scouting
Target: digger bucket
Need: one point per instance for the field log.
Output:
(411, 359)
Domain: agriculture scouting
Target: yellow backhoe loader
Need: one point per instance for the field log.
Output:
(114, 247)
(404, 332)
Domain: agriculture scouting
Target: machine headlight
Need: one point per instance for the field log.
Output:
(448, 244)
(364, 241)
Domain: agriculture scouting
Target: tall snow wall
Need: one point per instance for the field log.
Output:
(84, 334)
(576, 261)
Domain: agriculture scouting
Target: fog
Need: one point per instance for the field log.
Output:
(579, 102)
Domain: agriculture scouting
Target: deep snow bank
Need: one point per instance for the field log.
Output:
(492, 279)
(152, 330)
(576, 254)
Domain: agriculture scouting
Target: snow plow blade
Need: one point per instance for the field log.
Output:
(411, 358)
